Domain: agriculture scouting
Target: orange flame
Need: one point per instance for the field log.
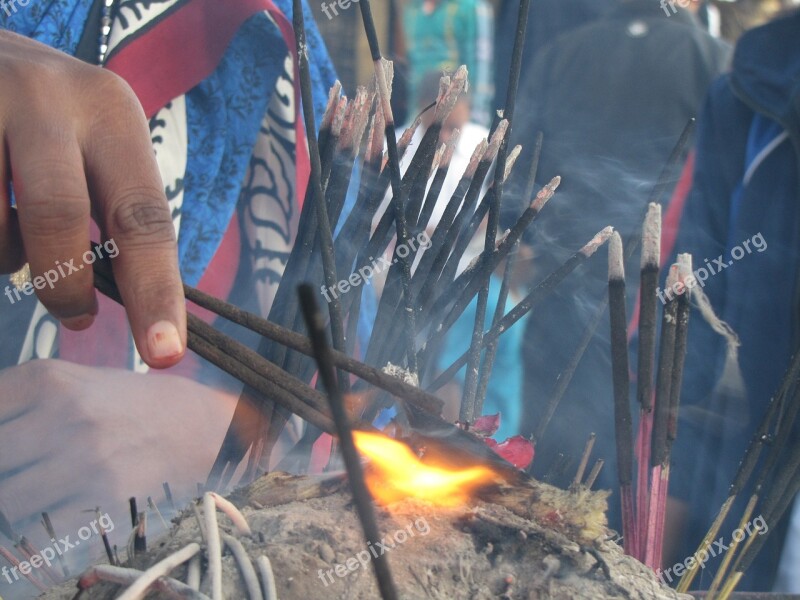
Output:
(395, 473)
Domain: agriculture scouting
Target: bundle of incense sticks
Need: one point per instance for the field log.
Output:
(658, 387)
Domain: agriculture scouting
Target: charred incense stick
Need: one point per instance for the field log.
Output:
(397, 192)
(491, 347)
(587, 452)
(29, 551)
(623, 428)
(14, 562)
(473, 366)
(565, 377)
(685, 278)
(298, 342)
(598, 465)
(315, 181)
(361, 496)
(539, 292)
(468, 283)
(168, 495)
(658, 454)
(651, 255)
(760, 438)
(214, 546)
(48, 527)
(154, 507)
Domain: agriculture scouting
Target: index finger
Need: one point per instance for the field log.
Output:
(129, 201)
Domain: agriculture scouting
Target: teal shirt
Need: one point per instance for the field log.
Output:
(440, 41)
(504, 393)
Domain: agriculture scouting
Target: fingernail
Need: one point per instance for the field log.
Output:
(164, 341)
(78, 323)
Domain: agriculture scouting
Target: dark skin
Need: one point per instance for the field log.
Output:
(76, 145)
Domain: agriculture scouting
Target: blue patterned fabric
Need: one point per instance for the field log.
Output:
(224, 112)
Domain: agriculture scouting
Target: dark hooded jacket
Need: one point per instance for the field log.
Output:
(612, 98)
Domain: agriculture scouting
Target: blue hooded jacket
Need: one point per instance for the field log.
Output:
(744, 209)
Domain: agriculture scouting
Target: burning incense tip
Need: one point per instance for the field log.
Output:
(512, 158)
(497, 138)
(477, 155)
(437, 158)
(651, 236)
(458, 85)
(616, 264)
(545, 194)
(396, 473)
(338, 117)
(333, 103)
(408, 134)
(450, 147)
(685, 272)
(598, 240)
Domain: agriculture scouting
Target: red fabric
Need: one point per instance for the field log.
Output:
(166, 61)
(670, 223)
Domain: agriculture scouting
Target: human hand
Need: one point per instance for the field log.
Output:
(75, 437)
(77, 144)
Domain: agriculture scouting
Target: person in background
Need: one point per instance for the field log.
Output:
(547, 20)
(445, 34)
(746, 183)
(611, 98)
(188, 152)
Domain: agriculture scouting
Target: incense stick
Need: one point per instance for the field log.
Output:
(623, 428)
(540, 291)
(651, 254)
(361, 495)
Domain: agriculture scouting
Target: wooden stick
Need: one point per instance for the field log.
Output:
(160, 569)
(168, 495)
(361, 495)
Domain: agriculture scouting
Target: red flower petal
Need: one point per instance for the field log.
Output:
(517, 450)
(486, 425)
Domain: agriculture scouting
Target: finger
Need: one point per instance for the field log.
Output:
(129, 200)
(53, 208)
(12, 256)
